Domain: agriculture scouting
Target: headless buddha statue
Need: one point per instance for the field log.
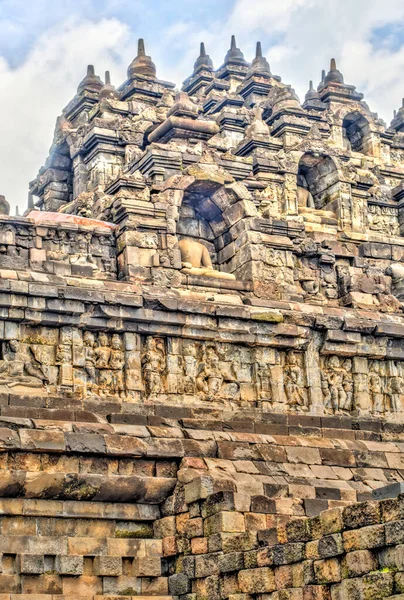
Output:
(304, 197)
(195, 260)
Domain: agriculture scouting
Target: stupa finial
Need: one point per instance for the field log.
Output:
(260, 65)
(91, 81)
(203, 61)
(142, 64)
(108, 90)
(333, 76)
(234, 53)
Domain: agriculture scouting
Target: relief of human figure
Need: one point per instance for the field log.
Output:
(396, 389)
(102, 355)
(263, 379)
(153, 366)
(346, 399)
(332, 384)
(117, 363)
(209, 378)
(21, 368)
(89, 359)
(189, 365)
(294, 382)
(376, 387)
(337, 385)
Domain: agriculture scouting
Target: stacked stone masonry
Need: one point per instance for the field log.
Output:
(202, 345)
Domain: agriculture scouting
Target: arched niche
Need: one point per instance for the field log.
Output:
(317, 182)
(356, 133)
(196, 220)
(210, 211)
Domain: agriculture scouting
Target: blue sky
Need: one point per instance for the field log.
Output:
(45, 46)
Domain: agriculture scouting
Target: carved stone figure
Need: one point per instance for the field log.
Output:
(153, 366)
(396, 388)
(21, 368)
(346, 403)
(304, 197)
(294, 382)
(196, 260)
(375, 381)
(263, 381)
(117, 363)
(102, 355)
(337, 385)
(189, 363)
(84, 258)
(89, 354)
(209, 378)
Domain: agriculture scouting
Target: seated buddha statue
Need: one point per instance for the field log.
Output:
(195, 260)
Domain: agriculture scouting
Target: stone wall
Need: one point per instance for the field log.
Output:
(355, 552)
(154, 505)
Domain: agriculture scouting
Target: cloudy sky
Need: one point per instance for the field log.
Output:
(45, 46)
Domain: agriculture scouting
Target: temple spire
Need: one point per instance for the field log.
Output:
(142, 64)
(260, 65)
(333, 76)
(321, 84)
(203, 62)
(311, 94)
(234, 53)
(91, 81)
(108, 90)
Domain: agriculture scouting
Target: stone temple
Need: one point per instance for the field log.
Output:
(202, 345)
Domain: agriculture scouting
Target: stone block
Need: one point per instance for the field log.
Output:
(110, 566)
(394, 532)
(69, 565)
(358, 563)
(377, 585)
(31, 564)
(308, 456)
(361, 515)
(148, 566)
(85, 443)
(179, 584)
(257, 581)
(51, 441)
(392, 558)
(369, 537)
(326, 547)
(226, 522)
(327, 571)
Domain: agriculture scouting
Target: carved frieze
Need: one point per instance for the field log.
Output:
(130, 367)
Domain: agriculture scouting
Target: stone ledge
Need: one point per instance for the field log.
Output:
(76, 509)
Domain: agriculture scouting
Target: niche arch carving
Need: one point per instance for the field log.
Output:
(209, 209)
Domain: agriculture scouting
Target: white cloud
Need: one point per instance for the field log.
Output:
(34, 94)
(302, 35)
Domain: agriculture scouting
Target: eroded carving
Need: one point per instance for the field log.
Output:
(195, 260)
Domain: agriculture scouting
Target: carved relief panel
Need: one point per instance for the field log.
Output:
(132, 368)
(362, 385)
(383, 219)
